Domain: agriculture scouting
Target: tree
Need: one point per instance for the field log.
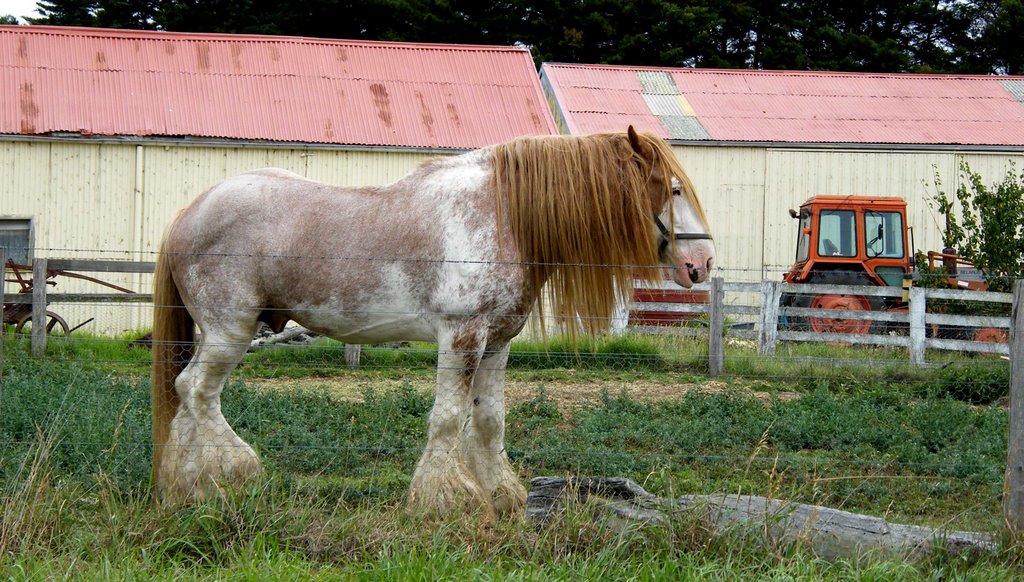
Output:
(1002, 37)
(226, 16)
(8, 19)
(66, 12)
(989, 231)
(955, 36)
(136, 14)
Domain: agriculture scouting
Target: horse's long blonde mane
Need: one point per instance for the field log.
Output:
(581, 213)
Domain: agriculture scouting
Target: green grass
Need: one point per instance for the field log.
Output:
(795, 367)
(325, 356)
(266, 531)
(869, 434)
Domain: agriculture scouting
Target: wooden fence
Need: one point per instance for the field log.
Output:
(40, 298)
(768, 317)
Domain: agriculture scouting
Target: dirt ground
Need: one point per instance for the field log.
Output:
(568, 396)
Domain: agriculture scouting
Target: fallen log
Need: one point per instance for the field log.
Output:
(831, 533)
(295, 333)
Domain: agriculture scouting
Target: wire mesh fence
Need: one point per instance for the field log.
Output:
(854, 426)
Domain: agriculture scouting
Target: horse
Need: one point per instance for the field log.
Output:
(458, 252)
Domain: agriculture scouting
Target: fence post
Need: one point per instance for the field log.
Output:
(716, 329)
(1013, 502)
(3, 289)
(771, 297)
(38, 307)
(352, 352)
(917, 325)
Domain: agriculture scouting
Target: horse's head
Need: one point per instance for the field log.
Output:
(680, 227)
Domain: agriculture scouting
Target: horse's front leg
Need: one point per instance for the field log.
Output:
(442, 481)
(485, 441)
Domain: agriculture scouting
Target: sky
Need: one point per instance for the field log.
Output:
(19, 8)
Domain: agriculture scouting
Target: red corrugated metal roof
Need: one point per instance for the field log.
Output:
(792, 107)
(137, 83)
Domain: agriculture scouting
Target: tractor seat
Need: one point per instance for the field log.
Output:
(830, 247)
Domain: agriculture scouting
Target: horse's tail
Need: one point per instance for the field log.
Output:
(173, 334)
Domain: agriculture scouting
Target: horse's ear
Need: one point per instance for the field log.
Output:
(642, 149)
(634, 140)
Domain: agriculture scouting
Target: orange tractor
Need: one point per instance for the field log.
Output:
(861, 240)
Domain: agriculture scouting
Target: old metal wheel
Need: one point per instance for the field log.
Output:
(55, 325)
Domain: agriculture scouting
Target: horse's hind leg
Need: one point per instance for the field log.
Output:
(442, 481)
(203, 449)
(485, 442)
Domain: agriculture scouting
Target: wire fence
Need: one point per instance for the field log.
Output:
(836, 423)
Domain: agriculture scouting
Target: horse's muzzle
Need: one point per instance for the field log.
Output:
(700, 274)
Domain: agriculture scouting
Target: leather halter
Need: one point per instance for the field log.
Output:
(666, 235)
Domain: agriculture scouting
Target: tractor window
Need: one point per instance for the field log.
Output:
(837, 233)
(884, 233)
(803, 237)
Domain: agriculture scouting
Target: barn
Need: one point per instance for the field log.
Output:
(758, 143)
(105, 133)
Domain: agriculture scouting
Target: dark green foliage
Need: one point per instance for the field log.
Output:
(981, 383)
(634, 353)
(324, 356)
(99, 422)
(102, 422)
(858, 434)
(875, 437)
(625, 437)
(976, 36)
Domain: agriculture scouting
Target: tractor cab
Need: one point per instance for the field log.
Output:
(864, 236)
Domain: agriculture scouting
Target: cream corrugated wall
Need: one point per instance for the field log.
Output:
(92, 200)
(747, 193)
(112, 201)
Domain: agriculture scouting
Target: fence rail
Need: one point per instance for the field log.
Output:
(769, 316)
(911, 331)
(39, 298)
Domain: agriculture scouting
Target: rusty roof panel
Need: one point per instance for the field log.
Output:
(607, 101)
(796, 107)
(596, 122)
(136, 83)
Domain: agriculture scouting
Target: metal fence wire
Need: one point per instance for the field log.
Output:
(739, 384)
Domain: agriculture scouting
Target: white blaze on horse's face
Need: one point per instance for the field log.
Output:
(694, 254)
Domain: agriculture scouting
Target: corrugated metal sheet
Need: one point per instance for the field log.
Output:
(730, 184)
(135, 83)
(98, 200)
(794, 107)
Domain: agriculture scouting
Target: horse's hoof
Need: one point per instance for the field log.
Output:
(446, 491)
(509, 499)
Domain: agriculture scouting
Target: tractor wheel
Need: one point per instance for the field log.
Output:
(839, 324)
(840, 302)
(795, 322)
(992, 334)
